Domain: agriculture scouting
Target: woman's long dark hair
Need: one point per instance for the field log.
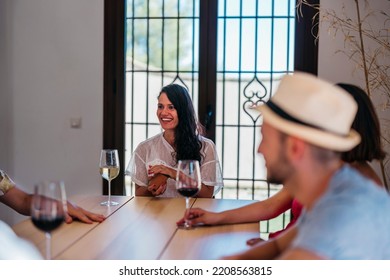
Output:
(187, 142)
(366, 123)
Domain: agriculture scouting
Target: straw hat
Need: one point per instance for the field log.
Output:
(314, 110)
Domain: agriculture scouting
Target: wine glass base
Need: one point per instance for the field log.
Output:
(109, 203)
(186, 227)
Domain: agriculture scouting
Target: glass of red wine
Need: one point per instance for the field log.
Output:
(188, 183)
(48, 208)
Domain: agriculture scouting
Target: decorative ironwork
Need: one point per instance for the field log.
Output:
(181, 82)
(254, 89)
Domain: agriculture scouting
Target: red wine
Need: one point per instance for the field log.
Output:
(48, 224)
(188, 192)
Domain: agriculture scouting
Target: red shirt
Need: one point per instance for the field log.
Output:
(296, 209)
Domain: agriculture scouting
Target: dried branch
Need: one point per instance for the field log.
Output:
(374, 63)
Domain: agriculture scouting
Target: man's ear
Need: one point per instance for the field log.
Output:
(295, 148)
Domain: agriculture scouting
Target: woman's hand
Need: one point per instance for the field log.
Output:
(161, 169)
(158, 184)
(158, 176)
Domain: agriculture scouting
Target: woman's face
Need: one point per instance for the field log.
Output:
(166, 113)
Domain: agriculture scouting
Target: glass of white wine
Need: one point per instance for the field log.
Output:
(109, 169)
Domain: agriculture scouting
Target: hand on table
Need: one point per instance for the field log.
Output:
(199, 216)
(75, 212)
(254, 241)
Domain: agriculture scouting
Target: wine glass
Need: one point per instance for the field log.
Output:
(109, 169)
(188, 183)
(48, 209)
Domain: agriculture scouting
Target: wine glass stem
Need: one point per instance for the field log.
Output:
(109, 192)
(48, 245)
(187, 212)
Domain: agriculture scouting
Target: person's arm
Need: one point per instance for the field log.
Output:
(299, 254)
(271, 249)
(142, 191)
(254, 212)
(20, 201)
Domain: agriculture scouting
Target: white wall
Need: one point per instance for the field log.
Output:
(337, 67)
(51, 71)
(5, 88)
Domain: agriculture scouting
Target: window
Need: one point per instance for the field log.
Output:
(229, 54)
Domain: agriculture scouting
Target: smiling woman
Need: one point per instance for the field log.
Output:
(153, 164)
(167, 114)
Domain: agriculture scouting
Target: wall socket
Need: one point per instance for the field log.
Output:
(75, 122)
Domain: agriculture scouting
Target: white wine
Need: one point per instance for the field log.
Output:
(109, 172)
(109, 169)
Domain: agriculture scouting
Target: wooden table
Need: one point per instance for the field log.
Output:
(144, 228)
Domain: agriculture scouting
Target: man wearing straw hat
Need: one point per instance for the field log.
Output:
(306, 125)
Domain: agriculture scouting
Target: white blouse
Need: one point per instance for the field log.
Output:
(156, 150)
